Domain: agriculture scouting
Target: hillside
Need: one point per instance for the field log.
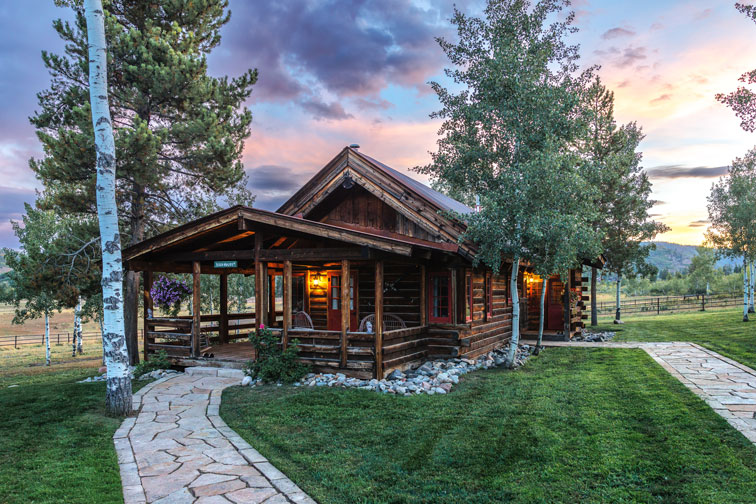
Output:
(675, 257)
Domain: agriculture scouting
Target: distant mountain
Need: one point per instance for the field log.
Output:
(675, 257)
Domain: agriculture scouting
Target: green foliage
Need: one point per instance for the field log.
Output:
(732, 210)
(622, 201)
(743, 100)
(159, 360)
(637, 433)
(273, 364)
(506, 135)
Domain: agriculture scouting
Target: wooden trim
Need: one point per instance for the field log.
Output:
(423, 295)
(223, 323)
(316, 254)
(196, 308)
(148, 307)
(469, 300)
(345, 311)
(379, 320)
(286, 303)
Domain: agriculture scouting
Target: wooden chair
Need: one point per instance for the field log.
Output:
(390, 322)
(301, 320)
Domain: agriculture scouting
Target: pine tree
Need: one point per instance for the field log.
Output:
(179, 132)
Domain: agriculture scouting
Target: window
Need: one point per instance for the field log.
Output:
(439, 299)
(488, 293)
(469, 295)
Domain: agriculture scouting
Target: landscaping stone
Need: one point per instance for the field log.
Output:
(594, 336)
(432, 377)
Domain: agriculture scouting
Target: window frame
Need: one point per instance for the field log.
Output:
(431, 297)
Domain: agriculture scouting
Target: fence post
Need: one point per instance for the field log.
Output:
(15, 342)
(703, 302)
(658, 306)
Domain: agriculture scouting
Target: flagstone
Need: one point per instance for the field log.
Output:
(178, 450)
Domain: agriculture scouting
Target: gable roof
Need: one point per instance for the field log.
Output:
(441, 200)
(417, 202)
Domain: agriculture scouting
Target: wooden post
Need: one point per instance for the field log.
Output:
(272, 300)
(258, 282)
(223, 325)
(286, 303)
(147, 280)
(345, 315)
(423, 294)
(196, 308)
(379, 320)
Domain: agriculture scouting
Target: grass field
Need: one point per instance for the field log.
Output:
(573, 425)
(721, 330)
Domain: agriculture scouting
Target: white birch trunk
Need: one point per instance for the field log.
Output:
(118, 396)
(541, 314)
(745, 289)
(515, 313)
(750, 287)
(48, 360)
(76, 343)
(618, 314)
(102, 341)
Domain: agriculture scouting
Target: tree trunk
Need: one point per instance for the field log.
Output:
(511, 353)
(102, 341)
(118, 395)
(618, 315)
(750, 287)
(745, 289)
(594, 303)
(131, 285)
(48, 360)
(541, 315)
(76, 343)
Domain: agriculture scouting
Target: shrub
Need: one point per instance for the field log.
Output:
(273, 363)
(157, 361)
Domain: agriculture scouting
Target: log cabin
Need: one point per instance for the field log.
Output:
(373, 273)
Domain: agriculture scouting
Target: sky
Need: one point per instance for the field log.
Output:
(337, 72)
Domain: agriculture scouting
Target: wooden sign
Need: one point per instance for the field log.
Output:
(225, 264)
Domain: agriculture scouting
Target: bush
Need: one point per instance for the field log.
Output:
(157, 361)
(273, 364)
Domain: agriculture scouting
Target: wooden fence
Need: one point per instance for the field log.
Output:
(657, 305)
(56, 338)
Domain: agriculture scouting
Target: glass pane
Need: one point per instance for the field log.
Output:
(335, 281)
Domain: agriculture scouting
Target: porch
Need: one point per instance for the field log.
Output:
(302, 291)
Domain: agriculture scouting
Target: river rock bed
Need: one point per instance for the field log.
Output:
(158, 373)
(432, 377)
(594, 336)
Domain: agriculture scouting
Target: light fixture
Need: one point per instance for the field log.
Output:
(318, 280)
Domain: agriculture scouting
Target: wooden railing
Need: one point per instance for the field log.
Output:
(172, 334)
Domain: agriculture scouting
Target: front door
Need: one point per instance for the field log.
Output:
(334, 302)
(555, 305)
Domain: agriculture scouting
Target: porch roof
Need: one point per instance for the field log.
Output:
(230, 235)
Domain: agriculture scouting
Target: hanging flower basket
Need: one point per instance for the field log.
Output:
(168, 294)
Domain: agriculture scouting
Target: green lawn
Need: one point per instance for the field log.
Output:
(56, 443)
(722, 331)
(573, 425)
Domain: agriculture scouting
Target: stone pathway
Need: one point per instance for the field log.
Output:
(178, 449)
(726, 385)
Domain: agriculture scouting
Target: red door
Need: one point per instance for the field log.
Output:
(334, 302)
(555, 306)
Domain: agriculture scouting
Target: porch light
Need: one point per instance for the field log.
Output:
(318, 280)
